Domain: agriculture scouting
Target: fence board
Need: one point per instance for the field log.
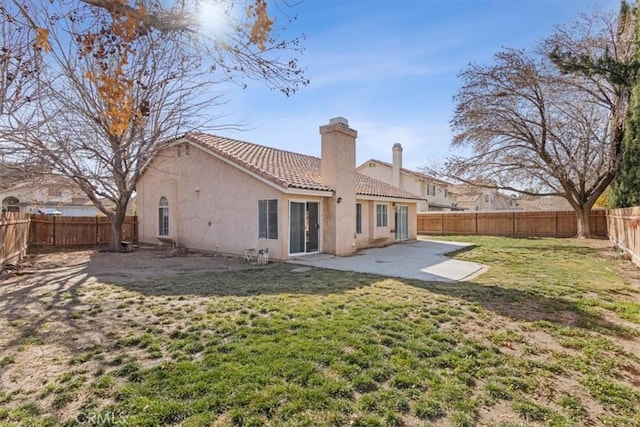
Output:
(624, 230)
(509, 223)
(495, 224)
(60, 231)
(14, 237)
(452, 223)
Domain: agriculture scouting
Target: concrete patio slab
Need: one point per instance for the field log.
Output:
(417, 259)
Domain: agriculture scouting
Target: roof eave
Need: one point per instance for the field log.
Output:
(308, 192)
(388, 198)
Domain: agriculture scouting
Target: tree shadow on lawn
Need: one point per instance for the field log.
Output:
(278, 279)
(526, 306)
(35, 299)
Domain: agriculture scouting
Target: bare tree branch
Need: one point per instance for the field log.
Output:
(538, 127)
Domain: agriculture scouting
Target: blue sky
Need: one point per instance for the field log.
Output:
(390, 67)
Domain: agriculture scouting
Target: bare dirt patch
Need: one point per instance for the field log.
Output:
(129, 266)
(55, 314)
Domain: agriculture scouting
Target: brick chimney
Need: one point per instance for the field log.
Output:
(338, 172)
(397, 164)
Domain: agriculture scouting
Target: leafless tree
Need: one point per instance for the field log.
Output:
(19, 69)
(537, 126)
(114, 89)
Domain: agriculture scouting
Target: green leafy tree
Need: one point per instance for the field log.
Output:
(625, 190)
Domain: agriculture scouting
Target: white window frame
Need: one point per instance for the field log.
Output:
(163, 217)
(382, 215)
(431, 189)
(267, 212)
(288, 230)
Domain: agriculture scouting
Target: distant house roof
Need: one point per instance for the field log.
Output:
(45, 180)
(287, 169)
(419, 175)
(467, 198)
(545, 203)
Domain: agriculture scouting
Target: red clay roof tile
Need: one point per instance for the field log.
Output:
(288, 169)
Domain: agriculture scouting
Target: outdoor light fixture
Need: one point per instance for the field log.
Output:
(339, 199)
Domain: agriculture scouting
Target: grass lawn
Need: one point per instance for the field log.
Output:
(549, 335)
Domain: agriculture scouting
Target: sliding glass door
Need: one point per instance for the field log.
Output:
(304, 227)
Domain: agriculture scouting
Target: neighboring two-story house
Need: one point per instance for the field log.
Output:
(434, 191)
(473, 198)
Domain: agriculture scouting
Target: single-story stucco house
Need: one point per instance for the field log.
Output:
(213, 193)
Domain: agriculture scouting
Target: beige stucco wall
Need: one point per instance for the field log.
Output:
(338, 172)
(212, 205)
(372, 235)
(363, 239)
(413, 221)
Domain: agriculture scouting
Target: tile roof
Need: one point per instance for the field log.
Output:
(288, 169)
(46, 180)
(368, 186)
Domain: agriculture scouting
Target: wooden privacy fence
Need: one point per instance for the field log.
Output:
(624, 230)
(61, 231)
(14, 236)
(510, 223)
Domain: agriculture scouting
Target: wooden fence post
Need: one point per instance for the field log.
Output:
(556, 223)
(476, 223)
(513, 224)
(53, 217)
(135, 229)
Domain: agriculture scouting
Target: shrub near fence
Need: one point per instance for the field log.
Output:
(509, 223)
(624, 230)
(61, 231)
(14, 236)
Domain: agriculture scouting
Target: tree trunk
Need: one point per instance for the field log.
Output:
(584, 223)
(116, 230)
